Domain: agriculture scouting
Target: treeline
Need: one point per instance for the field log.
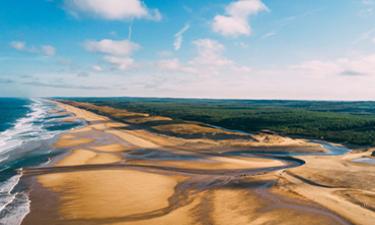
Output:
(351, 123)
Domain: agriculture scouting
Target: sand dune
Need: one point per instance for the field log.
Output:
(113, 175)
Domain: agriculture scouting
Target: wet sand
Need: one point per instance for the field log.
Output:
(337, 183)
(109, 174)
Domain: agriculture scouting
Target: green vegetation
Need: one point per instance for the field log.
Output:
(351, 123)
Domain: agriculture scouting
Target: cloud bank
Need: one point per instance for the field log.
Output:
(354, 66)
(209, 60)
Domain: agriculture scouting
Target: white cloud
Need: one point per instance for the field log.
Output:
(18, 45)
(116, 52)
(130, 31)
(242, 69)
(112, 47)
(175, 65)
(122, 63)
(368, 8)
(365, 36)
(342, 78)
(97, 68)
(231, 26)
(169, 64)
(210, 52)
(46, 50)
(179, 37)
(242, 44)
(235, 21)
(368, 2)
(112, 9)
(268, 35)
(208, 61)
(354, 66)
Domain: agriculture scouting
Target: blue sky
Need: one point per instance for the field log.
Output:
(257, 49)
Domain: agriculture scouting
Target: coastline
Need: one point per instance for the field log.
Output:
(108, 175)
(27, 142)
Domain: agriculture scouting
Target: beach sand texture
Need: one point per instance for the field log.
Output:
(109, 174)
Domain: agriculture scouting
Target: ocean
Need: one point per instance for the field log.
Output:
(28, 127)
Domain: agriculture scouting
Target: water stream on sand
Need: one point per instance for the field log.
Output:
(200, 180)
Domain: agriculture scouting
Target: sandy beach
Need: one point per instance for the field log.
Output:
(114, 172)
(187, 112)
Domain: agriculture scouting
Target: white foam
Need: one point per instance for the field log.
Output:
(7, 198)
(5, 201)
(14, 206)
(18, 211)
(30, 128)
(14, 136)
(25, 136)
(8, 186)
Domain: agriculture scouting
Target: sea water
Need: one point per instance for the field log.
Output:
(27, 130)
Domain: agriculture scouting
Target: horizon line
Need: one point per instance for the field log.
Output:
(197, 98)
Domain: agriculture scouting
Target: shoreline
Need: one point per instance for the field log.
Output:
(27, 143)
(104, 144)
